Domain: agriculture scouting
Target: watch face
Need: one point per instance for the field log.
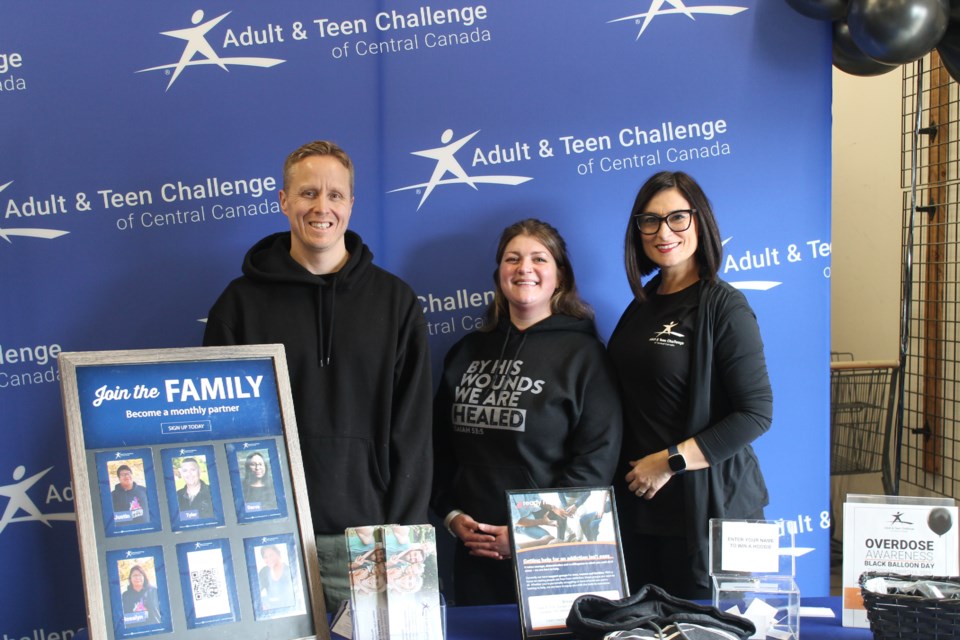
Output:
(677, 462)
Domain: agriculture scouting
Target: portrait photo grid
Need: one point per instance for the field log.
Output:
(226, 505)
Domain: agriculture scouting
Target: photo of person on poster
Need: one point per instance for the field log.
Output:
(594, 516)
(194, 499)
(538, 519)
(130, 504)
(277, 589)
(141, 602)
(258, 491)
(367, 565)
(407, 549)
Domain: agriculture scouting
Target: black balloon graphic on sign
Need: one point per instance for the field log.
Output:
(939, 521)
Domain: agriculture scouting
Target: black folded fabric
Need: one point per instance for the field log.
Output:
(593, 617)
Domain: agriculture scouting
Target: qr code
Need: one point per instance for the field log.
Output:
(206, 584)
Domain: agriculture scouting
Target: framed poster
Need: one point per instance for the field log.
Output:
(189, 492)
(907, 535)
(565, 543)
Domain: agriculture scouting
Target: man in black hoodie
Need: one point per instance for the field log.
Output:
(356, 347)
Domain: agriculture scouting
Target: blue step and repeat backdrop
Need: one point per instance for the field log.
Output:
(142, 146)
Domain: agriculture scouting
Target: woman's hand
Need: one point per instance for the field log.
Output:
(648, 475)
(498, 549)
(483, 540)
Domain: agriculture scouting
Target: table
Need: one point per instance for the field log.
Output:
(502, 622)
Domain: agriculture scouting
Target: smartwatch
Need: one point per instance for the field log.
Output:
(678, 464)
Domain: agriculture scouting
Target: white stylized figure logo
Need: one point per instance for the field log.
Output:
(18, 500)
(668, 331)
(678, 8)
(46, 234)
(196, 38)
(447, 163)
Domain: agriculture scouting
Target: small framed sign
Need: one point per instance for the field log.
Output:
(191, 505)
(565, 543)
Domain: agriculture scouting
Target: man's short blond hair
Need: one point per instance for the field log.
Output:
(318, 148)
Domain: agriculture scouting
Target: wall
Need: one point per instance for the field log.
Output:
(867, 204)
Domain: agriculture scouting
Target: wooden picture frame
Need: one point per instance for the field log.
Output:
(163, 554)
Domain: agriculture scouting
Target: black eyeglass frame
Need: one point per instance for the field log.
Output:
(640, 217)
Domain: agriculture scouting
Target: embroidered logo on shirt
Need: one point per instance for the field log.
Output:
(667, 337)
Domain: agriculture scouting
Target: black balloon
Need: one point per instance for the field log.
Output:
(849, 59)
(955, 9)
(821, 9)
(951, 39)
(952, 68)
(939, 521)
(897, 31)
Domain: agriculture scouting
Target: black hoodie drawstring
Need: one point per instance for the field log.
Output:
(503, 349)
(325, 351)
(333, 313)
(516, 356)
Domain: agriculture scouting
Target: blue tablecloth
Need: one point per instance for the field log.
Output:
(503, 623)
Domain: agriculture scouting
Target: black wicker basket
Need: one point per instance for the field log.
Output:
(903, 616)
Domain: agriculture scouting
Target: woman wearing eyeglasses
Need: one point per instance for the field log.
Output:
(258, 494)
(694, 386)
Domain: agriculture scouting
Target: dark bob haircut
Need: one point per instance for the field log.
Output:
(709, 253)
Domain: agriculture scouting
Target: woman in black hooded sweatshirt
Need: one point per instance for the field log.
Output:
(527, 402)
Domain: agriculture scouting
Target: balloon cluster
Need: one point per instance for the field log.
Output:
(871, 37)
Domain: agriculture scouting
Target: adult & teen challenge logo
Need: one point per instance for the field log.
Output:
(182, 201)
(208, 43)
(24, 504)
(679, 8)
(21, 507)
(198, 51)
